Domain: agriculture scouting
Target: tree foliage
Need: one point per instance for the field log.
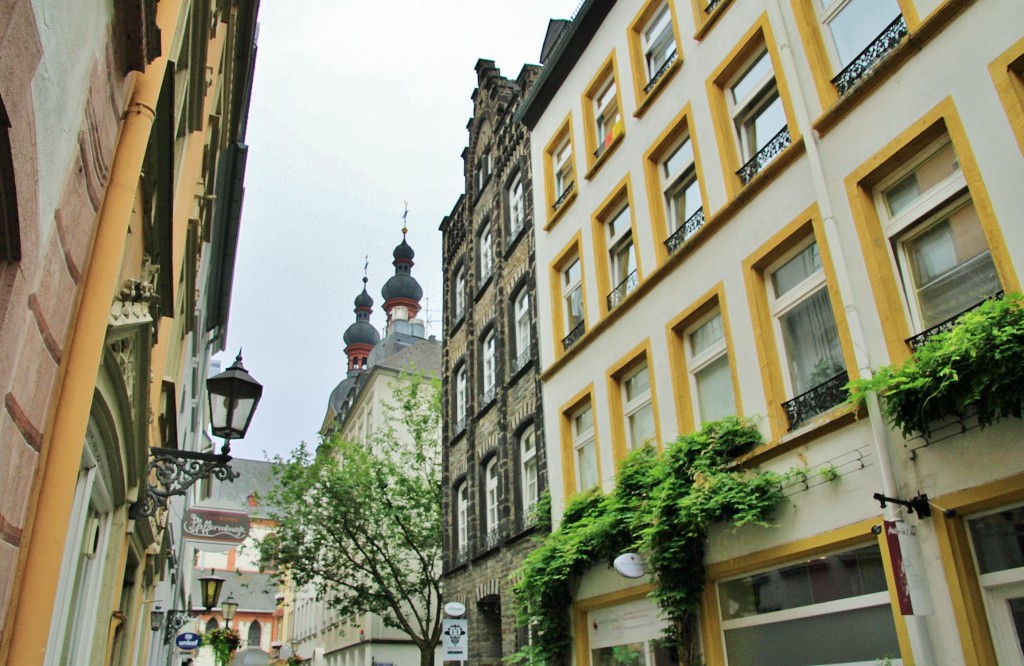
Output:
(975, 365)
(360, 523)
(662, 506)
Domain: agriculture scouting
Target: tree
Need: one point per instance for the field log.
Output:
(361, 522)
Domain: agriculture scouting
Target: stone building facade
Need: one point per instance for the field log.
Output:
(494, 460)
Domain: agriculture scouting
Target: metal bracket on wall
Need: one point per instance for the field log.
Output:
(176, 472)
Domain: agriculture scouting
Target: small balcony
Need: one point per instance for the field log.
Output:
(519, 362)
(458, 427)
(818, 400)
(683, 233)
(492, 539)
(487, 397)
(916, 341)
(564, 196)
(871, 57)
(575, 334)
(461, 556)
(672, 57)
(623, 289)
(771, 150)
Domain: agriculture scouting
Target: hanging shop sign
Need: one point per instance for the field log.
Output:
(907, 568)
(187, 640)
(215, 526)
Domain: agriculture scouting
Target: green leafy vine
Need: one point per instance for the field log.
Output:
(976, 365)
(662, 506)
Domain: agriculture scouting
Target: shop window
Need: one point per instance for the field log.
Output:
(628, 634)
(842, 596)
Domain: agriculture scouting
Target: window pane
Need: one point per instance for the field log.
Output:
(796, 270)
(587, 463)
(707, 334)
(951, 267)
(999, 540)
(930, 173)
(858, 23)
(747, 83)
(680, 158)
(584, 421)
(838, 576)
(714, 390)
(767, 123)
(572, 273)
(638, 383)
(863, 635)
(641, 426)
(620, 655)
(812, 343)
(575, 305)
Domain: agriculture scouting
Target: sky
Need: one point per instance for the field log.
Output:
(357, 107)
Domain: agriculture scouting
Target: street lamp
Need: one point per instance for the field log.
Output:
(228, 608)
(156, 618)
(209, 590)
(233, 396)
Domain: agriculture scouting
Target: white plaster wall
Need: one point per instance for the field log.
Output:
(74, 36)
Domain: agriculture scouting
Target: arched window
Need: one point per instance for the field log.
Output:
(461, 518)
(255, 633)
(491, 494)
(10, 234)
(212, 624)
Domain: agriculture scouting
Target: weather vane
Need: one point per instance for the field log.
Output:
(405, 216)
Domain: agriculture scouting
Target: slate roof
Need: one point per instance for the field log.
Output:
(253, 591)
(257, 476)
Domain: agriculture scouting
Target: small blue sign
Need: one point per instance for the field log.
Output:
(187, 640)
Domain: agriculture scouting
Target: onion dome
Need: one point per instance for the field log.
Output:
(362, 331)
(402, 286)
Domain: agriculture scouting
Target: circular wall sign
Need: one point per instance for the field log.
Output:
(187, 640)
(454, 609)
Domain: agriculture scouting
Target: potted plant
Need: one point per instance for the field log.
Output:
(224, 643)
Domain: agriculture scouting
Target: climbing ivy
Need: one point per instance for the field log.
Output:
(663, 506)
(976, 365)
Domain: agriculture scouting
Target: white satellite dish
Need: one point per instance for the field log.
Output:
(629, 565)
(454, 609)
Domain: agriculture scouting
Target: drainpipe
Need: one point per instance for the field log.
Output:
(917, 631)
(62, 450)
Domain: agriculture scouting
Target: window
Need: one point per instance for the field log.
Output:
(521, 314)
(708, 363)
(489, 366)
(999, 557)
(681, 194)
(636, 407)
(483, 171)
(936, 237)
(757, 111)
(486, 248)
(627, 634)
(255, 634)
(572, 299)
(462, 519)
(851, 25)
(584, 447)
(460, 293)
(565, 176)
(607, 121)
(460, 398)
(841, 595)
(658, 43)
(10, 233)
(805, 325)
(491, 495)
(516, 206)
(528, 469)
(621, 256)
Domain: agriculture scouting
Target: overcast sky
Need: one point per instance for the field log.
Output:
(357, 107)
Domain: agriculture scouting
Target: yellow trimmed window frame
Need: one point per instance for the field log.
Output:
(560, 185)
(675, 185)
(568, 294)
(749, 96)
(866, 187)
(1008, 76)
(615, 245)
(633, 406)
(581, 455)
(700, 340)
(603, 124)
(654, 50)
(706, 13)
(787, 279)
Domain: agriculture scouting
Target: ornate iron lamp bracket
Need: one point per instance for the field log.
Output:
(175, 620)
(176, 472)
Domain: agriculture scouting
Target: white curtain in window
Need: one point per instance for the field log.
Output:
(812, 342)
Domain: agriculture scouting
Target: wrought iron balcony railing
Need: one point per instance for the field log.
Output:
(672, 57)
(870, 57)
(623, 289)
(819, 399)
(487, 397)
(683, 233)
(771, 150)
(711, 7)
(520, 361)
(916, 341)
(458, 427)
(565, 195)
(461, 555)
(575, 334)
(492, 539)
